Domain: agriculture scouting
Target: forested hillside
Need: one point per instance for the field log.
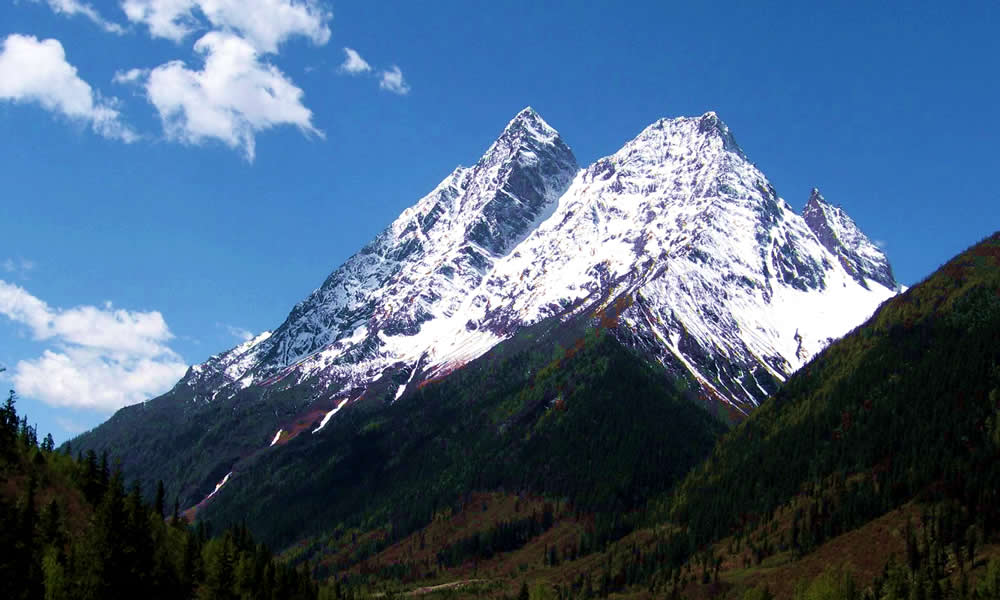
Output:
(564, 465)
(905, 405)
(562, 410)
(71, 528)
(872, 473)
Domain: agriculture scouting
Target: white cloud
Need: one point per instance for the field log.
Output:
(37, 71)
(231, 99)
(392, 80)
(354, 64)
(74, 7)
(102, 358)
(130, 76)
(264, 23)
(19, 266)
(243, 335)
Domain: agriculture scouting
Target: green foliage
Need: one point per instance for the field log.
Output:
(830, 585)
(112, 544)
(755, 593)
(599, 427)
(989, 586)
(501, 537)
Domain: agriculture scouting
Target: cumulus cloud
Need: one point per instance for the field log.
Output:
(353, 63)
(36, 71)
(72, 8)
(264, 23)
(392, 80)
(102, 358)
(235, 96)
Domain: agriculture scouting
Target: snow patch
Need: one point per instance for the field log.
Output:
(329, 415)
(218, 486)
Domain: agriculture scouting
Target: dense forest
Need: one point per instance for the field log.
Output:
(70, 528)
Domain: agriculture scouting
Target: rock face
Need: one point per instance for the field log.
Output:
(724, 280)
(841, 236)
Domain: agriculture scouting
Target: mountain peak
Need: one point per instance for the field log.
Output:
(710, 123)
(816, 200)
(529, 122)
(839, 234)
(516, 182)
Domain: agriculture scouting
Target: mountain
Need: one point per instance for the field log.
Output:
(677, 246)
(840, 235)
(728, 283)
(903, 411)
(872, 473)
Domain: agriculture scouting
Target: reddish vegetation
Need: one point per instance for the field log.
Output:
(70, 500)
(448, 370)
(300, 424)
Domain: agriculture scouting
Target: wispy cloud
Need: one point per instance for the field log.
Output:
(353, 63)
(36, 71)
(243, 335)
(71, 8)
(392, 80)
(100, 358)
(18, 266)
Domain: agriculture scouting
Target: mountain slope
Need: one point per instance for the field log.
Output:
(907, 404)
(676, 244)
(521, 418)
(840, 235)
(873, 473)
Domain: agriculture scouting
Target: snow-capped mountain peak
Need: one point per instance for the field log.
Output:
(843, 238)
(723, 281)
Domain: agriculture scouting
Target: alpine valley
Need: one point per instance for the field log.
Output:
(621, 379)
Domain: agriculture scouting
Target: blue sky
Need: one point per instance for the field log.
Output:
(158, 205)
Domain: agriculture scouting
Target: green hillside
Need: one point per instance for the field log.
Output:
(904, 405)
(873, 473)
(71, 530)
(562, 412)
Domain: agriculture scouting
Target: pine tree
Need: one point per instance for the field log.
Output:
(158, 505)
(8, 426)
(28, 549)
(523, 594)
